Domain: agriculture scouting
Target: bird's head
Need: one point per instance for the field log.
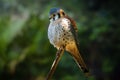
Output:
(56, 13)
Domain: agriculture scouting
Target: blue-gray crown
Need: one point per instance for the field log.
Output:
(54, 10)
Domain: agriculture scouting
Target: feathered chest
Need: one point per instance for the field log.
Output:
(59, 32)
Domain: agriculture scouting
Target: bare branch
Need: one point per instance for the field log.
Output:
(55, 63)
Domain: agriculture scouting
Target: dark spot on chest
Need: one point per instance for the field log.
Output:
(64, 34)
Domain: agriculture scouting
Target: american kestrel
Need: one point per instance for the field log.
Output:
(62, 31)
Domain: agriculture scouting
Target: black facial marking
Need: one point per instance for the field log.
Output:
(63, 13)
(53, 18)
(58, 15)
(53, 15)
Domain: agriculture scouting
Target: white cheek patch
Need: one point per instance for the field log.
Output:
(51, 20)
(56, 17)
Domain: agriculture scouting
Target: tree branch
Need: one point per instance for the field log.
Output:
(56, 61)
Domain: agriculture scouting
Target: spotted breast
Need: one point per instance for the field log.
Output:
(62, 31)
(59, 33)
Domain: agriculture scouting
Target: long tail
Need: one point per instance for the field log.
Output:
(77, 57)
(79, 60)
(75, 51)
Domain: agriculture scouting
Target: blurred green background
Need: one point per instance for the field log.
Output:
(25, 51)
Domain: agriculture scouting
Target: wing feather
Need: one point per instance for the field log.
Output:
(76, 54)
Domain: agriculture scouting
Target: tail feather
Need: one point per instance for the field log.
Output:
(78, 58)
(81, 64)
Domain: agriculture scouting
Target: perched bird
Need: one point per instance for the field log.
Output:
(62, 31)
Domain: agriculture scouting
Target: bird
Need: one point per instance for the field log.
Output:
(62, 31)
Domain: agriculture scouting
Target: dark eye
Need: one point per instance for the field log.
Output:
(53, 15)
